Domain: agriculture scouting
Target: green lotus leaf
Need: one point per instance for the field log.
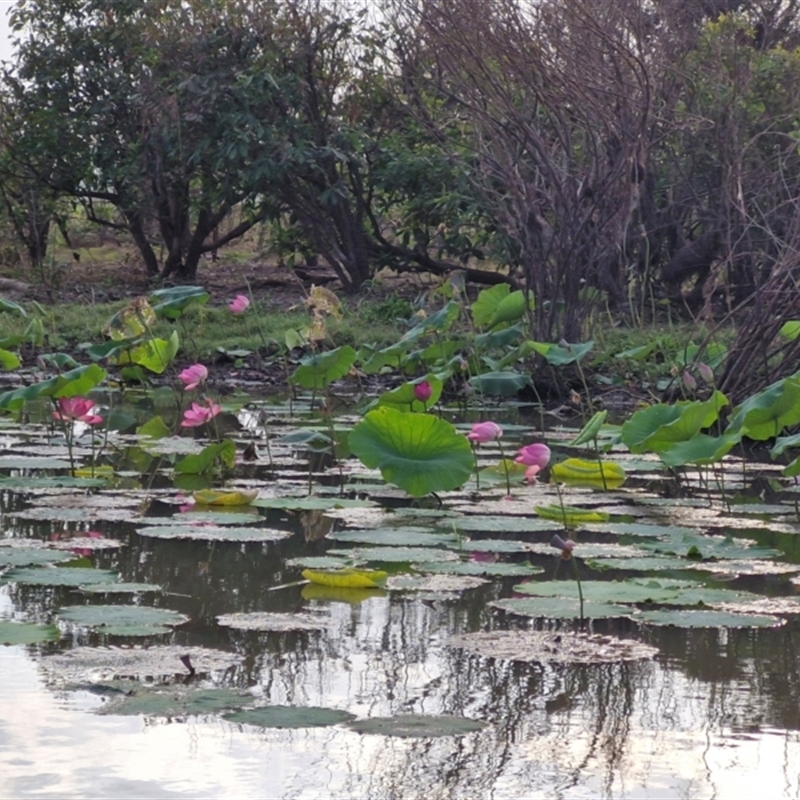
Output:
(659, 427)
(420, 453)
(8, 360)
(394, 537)
(214, 533)
(59, 576)
(588, 433)
(154, 355)
(123, 620)
(486, 303)
(684, 618)
(402, 398)
(766, 414)
(503, 384)
(31, 556)
(75, 382)
(663, 591)
(570, 516)
(499, 569)
(26, 633)
(177, 702)
(394, 554)
(290, 717)
(311, 503)
(585, 472)
(642, 564)
(561, 608)
(417, 726)
(198, 463)
(700, 449)
(317, 371)
(174, 300)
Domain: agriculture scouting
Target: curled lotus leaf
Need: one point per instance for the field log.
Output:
(346, 578)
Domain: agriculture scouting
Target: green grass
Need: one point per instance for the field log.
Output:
(204, 329)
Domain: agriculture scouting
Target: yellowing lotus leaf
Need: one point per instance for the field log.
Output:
(346, 578)
(215, 497)
(583, 472)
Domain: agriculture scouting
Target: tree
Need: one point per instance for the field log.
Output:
(173, 112)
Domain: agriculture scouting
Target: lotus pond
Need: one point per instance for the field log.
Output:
(161, 646)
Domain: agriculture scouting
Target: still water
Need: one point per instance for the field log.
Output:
(715, 714)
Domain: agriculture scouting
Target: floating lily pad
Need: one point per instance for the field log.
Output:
(641, 564)
(266, 621)
(396, 537)
(290, 717)
(32, 462)
(59, 576)
(493, 524)
(219, 497)
(561, 608)
(702, 547)
(749, 567)
(396, 554)
(26, 633)
(347, 578)
(560, 648)
(640, 529)
(662, 591)
(417, 726)
(119, 620)
(110, 663)
(34, 482)
(683, 618)
(48, 513)
(339, 594)
(434, 583)
(319, 562)
(309, 503)
(495, 546)
(209, 517)
(87, 543)
(214, 533)
(497, 569)
(30, 556)
(120, 588)
(178, 702)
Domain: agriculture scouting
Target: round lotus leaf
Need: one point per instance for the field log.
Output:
(638, 529)
(561, 648)
(643, 564)
(420, 453)
(494, 524)
(661, 591)
(496, 569)
(177, 702)
(214, 533)
(318, 562)
(417, 726)
(267, 621)
(395, 554)
(311, 503)
(87, 543)
(396, 537)
(26, 633)
(81, 664)
(561, 608)
(495, 546)
(290, 717)
(215, 517)
(684, 618)
(120, 620)
(60, 576)
(30, 556)
(120, 588)
(434, 584)
(701, 547)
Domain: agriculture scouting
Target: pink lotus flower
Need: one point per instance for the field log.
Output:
(688, 381)
(198, 415)
(193, 376)
(566, 547)
(423, 391)
(534, 455)
(706, 373)
(239, 304)
(532, 473)
(76, 409)
(484, 432)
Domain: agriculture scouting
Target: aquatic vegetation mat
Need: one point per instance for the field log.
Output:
(417, 726)
(289, 717)
(558, 648)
